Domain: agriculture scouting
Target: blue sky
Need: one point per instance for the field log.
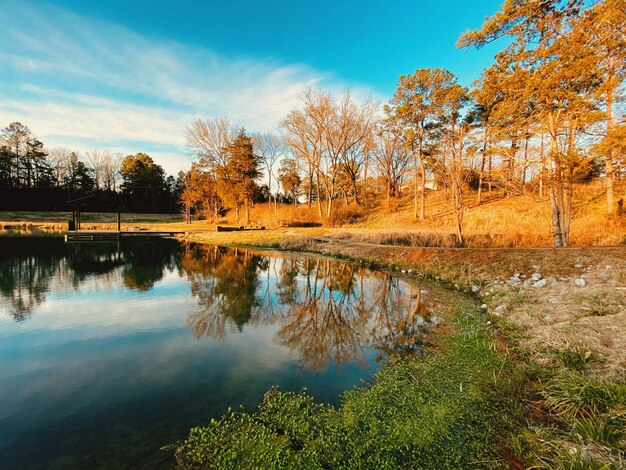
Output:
(129, 76)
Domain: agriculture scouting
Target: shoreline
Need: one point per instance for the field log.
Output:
(553, 317)
(567, 323)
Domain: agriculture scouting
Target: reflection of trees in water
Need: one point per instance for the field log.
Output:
(403, 320)
(145, 262)
(25, 273)
(326, 311)
(327, 321)
(225, 283)
(30, 267)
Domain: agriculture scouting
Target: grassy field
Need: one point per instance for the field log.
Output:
(106, 217)
(513, 221)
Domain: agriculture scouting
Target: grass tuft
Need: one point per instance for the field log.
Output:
(573, 394)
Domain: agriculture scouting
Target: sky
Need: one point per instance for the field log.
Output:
(129, 76)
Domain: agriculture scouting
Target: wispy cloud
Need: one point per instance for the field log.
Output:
(83, 83)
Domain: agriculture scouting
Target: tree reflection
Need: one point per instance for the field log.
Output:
(325, 324)
(225, 283)
(25, 274)
(403, 320)
(325, 311)
(145, 263)
(31, 266)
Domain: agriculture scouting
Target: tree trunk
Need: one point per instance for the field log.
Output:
(356, 193)
(560, 213)
(17, 166)
(490, 174)
(422, 190)
(319, 199)
(525, 162)
(422, 173)
(609, 157)
(310, 188)
(542, 169)
(482, 167)
(416, 189)
(365, 171)
(329, 207)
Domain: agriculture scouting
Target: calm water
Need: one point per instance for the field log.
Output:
(109, 351)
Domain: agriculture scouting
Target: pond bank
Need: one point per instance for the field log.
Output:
(559, 342)
(448, 410)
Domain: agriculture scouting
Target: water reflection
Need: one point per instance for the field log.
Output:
(120, 348)
(26, 270)
(325, 311)
(28, 266)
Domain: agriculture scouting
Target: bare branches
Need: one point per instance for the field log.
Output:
(207, 139)
(331, 136)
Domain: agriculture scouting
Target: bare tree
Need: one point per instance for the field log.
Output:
(303, 132)
(207, 141)
(392, 157)
(111, 164)
(270, 148)
(58, 158)
(95, 160)
(356, 125)
(327, 135)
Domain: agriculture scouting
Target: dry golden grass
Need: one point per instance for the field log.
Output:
(282, 215)
(514, 221)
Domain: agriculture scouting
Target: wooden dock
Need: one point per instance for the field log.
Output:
(96, 235)
(240, 228)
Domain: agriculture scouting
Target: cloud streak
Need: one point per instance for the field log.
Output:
(86, 83)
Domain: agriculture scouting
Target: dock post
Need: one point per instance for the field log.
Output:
(119, 221)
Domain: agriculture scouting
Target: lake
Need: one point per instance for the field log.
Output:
(110, 350)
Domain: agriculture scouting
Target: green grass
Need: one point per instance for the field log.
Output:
(575, 356)
(453, 409)
(597, 429)
(585, 426)
(574, 394)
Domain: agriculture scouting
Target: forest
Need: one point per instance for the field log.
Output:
(33, 177)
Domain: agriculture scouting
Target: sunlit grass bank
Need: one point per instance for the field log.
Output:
(499, 221)
(453, 409)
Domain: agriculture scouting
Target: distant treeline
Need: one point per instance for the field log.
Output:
(33, 177)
